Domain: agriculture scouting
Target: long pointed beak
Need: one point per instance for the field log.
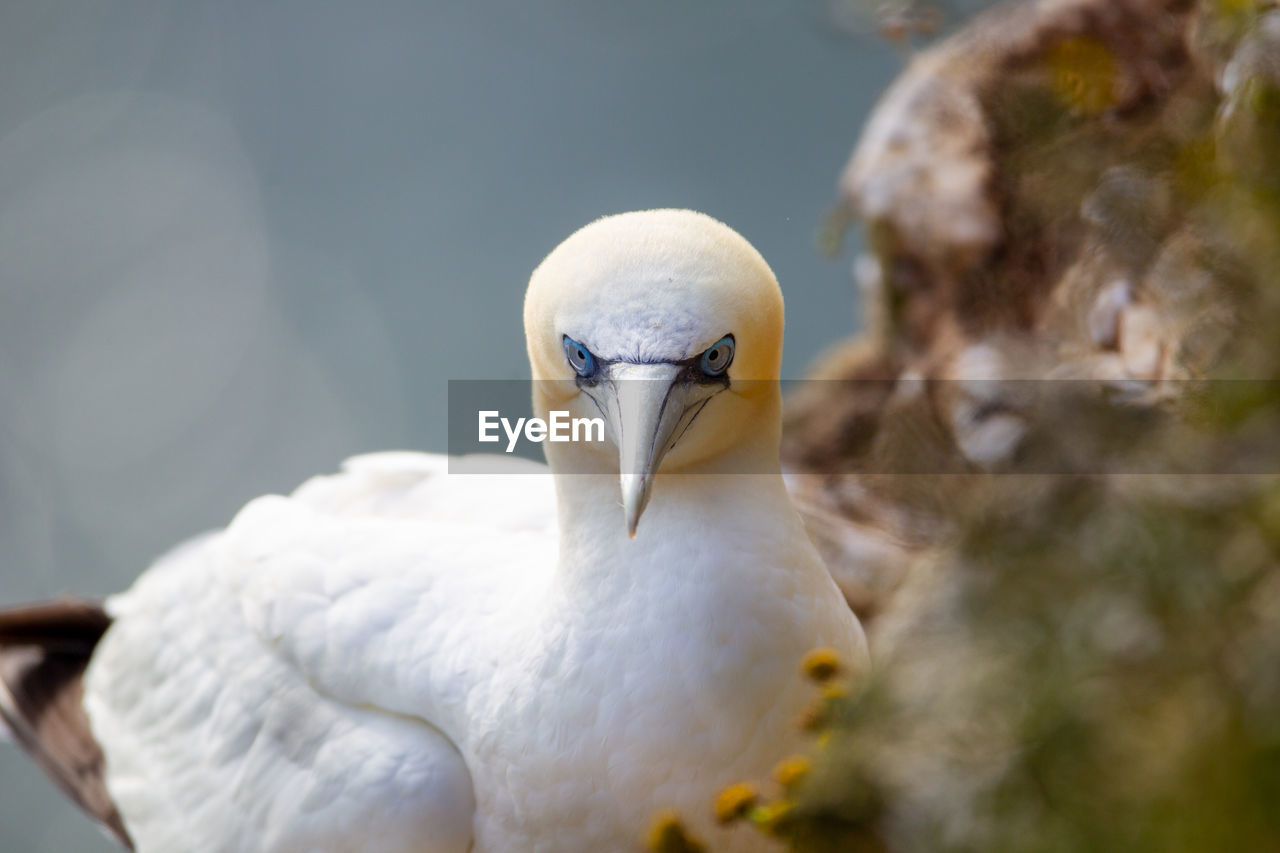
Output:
(649, 408)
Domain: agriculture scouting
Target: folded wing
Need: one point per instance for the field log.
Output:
(297, 682)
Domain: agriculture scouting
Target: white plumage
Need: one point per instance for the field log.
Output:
(396, 659)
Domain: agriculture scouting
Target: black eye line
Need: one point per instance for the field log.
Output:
(693, 418)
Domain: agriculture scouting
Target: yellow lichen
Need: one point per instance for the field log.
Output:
(1239, 7)
(735, 801)
(1084, 75)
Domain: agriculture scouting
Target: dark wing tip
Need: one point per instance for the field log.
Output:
(44, 650)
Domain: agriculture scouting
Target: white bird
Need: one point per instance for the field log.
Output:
(396, 659)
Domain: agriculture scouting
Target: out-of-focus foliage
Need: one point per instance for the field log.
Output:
(1089, 659)
(1097, 672)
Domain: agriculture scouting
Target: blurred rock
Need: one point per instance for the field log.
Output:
(1056, 449)
(1033, 193)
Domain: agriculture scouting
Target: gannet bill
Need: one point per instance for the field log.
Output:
(396, 659)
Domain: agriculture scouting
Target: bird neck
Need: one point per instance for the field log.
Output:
(698, 519)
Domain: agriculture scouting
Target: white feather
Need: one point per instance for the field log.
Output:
(396, 659)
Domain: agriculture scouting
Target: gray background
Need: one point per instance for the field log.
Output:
(240, 241)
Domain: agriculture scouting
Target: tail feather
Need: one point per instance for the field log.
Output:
(44, 650)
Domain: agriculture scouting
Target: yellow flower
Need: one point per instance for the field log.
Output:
(735, 801)
(821, 664)
(668, 835)
(790, 771)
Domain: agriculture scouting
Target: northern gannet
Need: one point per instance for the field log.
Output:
(395, 659)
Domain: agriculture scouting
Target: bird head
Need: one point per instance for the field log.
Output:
(668, 325)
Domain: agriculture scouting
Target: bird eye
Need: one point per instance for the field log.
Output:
(717, 359)
(580, 358)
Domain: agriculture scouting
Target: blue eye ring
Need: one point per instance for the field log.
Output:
(579, 357)
(717, 358)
